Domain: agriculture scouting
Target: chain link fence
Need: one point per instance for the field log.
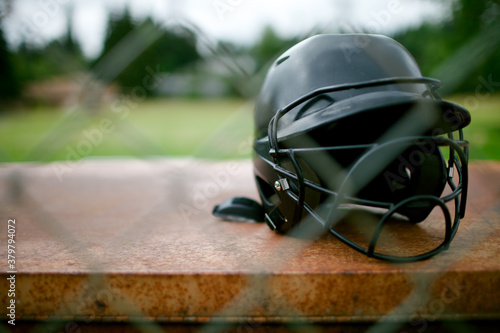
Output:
(84, 127)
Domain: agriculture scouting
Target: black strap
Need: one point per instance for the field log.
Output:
(240, 209)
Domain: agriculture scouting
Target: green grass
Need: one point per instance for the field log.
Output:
(484, 131)
(214, 129)
(165, 127)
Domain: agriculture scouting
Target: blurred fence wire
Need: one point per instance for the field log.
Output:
(79, 117)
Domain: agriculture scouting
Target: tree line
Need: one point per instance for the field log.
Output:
(461, 50)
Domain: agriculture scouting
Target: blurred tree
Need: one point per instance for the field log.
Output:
(429, 44)
(460, 50)
(476, 23)
(58, 57)
(68, 43)
(9, 84)
(468, 18)
(119, 26)
(130, 48)
(174, 49)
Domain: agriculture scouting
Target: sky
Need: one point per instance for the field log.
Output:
(238, 21)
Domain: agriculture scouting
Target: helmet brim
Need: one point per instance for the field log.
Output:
(442, 115)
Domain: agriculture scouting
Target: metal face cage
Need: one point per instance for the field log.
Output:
(327, 213)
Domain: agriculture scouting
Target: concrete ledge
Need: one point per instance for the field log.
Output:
(122, 240)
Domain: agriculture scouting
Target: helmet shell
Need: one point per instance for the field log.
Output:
(345, 118)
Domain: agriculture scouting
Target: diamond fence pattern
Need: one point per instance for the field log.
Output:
(187, 200)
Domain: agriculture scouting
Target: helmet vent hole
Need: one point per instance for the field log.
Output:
(408, 173)
(314, 105)
(281, 60)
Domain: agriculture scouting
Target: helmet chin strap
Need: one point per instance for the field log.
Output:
(239, 209)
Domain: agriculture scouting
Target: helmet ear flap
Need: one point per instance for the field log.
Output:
(283, 210)
(427, 178)
(416, 171)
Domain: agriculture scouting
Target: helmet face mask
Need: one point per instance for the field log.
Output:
(341, 126)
